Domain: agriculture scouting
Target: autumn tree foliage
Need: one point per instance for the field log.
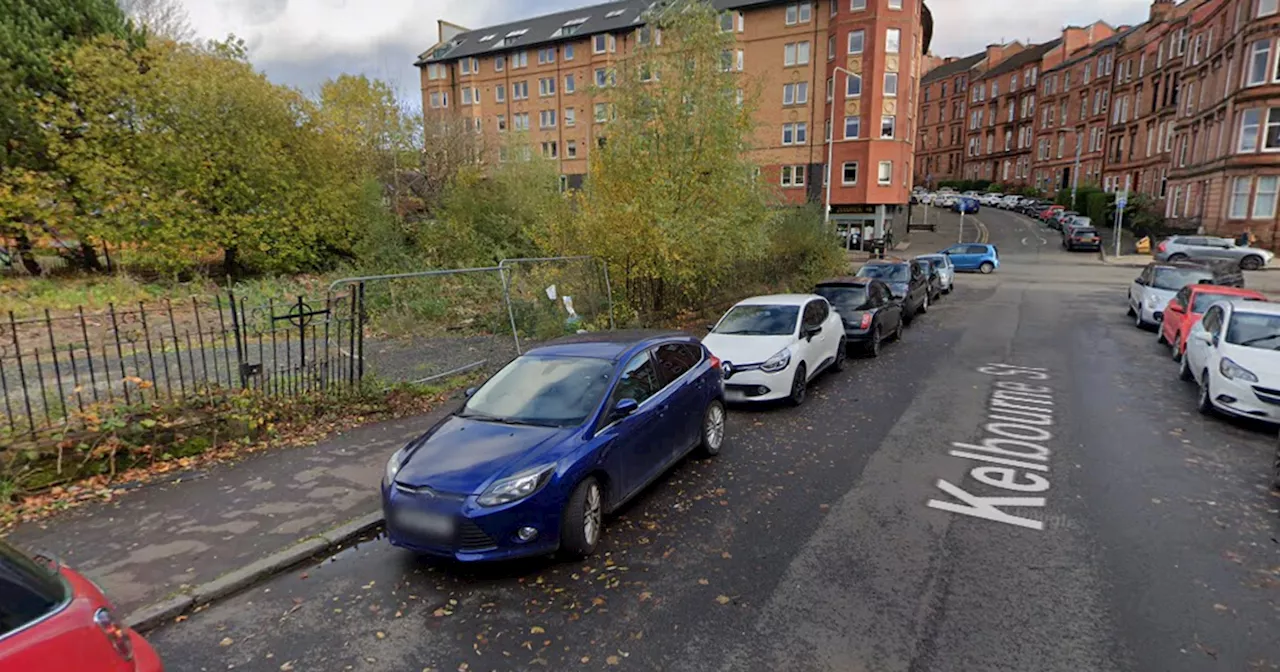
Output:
(672, 201)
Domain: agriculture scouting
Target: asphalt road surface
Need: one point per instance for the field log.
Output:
(1090, 519)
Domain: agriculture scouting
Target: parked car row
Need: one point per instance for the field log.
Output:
(536, 457)
(1224, 338)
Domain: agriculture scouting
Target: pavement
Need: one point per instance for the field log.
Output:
(874, 528)
(159, 549)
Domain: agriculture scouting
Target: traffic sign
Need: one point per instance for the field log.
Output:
(1122, 199)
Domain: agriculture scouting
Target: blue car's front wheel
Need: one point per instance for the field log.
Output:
(712, 429)
(583, 519)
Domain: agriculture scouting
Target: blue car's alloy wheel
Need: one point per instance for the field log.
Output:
(583, 519)
(712, 429)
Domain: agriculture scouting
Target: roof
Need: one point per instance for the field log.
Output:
(846, 280)
(535, 31)
(1224, 290)
(953, 68)
(1255, 306)
(604, 344)
(778, 300)
(1089, 52)
(1027, 56)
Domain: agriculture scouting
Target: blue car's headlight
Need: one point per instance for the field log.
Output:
(777, 362)
(516, 488)
(393, 465)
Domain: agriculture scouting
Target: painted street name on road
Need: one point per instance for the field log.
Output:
(1013, 456)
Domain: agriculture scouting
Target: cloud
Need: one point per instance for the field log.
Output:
(302, 43)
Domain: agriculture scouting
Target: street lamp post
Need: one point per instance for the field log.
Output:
(831, 143)
(1075, 170)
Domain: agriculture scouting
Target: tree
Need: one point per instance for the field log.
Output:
(165, 18)
(671, 201)
(33, 34)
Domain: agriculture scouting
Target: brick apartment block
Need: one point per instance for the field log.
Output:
(854, 61)
(1184, 108)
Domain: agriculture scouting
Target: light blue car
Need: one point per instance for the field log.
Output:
(981, 257)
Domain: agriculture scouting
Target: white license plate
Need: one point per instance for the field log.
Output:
(427, 523)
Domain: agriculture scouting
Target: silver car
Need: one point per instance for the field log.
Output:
(1151, 291)
(946, 270)
(1204, 248)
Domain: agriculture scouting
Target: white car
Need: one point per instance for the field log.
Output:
(991, 200)
(1151, 290)
(1009, 201)
(770, 347)
(1232, 354)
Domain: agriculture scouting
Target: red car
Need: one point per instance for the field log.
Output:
(1048, 212)
(1178, 320)
(55, 620)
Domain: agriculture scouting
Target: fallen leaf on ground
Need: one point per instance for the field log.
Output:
(612, 660)
(286, 667)
(723, 599)
(703, 582)
(380, 634)
(226, 641)
(536, 630)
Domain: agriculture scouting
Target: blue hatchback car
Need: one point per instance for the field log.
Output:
(966, 205)
(982, 257)
(561, 436)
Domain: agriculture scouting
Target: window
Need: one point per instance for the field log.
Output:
(852, 127)
(857, 41)
(795, 94)
(1250, 121)
(602, 43)
(439, 99)
(570, 116)
(795, 134)
(795, 53)
(850, 173)
(519, 90)
(469, 66)
(570, 146)
(602, 112)
(547, 119)
(888, 124)
(547, 86)
(892, 40)
(1238, 208)
(520, 59)
(602, 77)
(502, 123)
(1270, 137)
(550, 150)
(500, 93)
(547, 55)
(793, 176)
(799, 12)
(726, 22)
(831, 46)
(857, 5)
(468, 95)
(895, 4)
(568, 52)
(1259, 57)
(885, 174)
(570, 83)
(853, 86)
(1264, 200)
(891, 84)
(520, 121)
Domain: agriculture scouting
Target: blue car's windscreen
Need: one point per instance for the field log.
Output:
(886, 272)
(759, 321)
(556, 391)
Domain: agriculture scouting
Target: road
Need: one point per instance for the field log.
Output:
(854, 533)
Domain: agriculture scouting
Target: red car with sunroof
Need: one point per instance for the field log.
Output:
(52, 619)
(1188, 305)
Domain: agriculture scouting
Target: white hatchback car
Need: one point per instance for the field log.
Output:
(1232, 353)
(1155, 286)
(770, 347)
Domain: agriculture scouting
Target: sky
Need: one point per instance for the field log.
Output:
(302, 43)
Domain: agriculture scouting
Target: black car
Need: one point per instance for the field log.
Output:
(907, 281)
(867, 307)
